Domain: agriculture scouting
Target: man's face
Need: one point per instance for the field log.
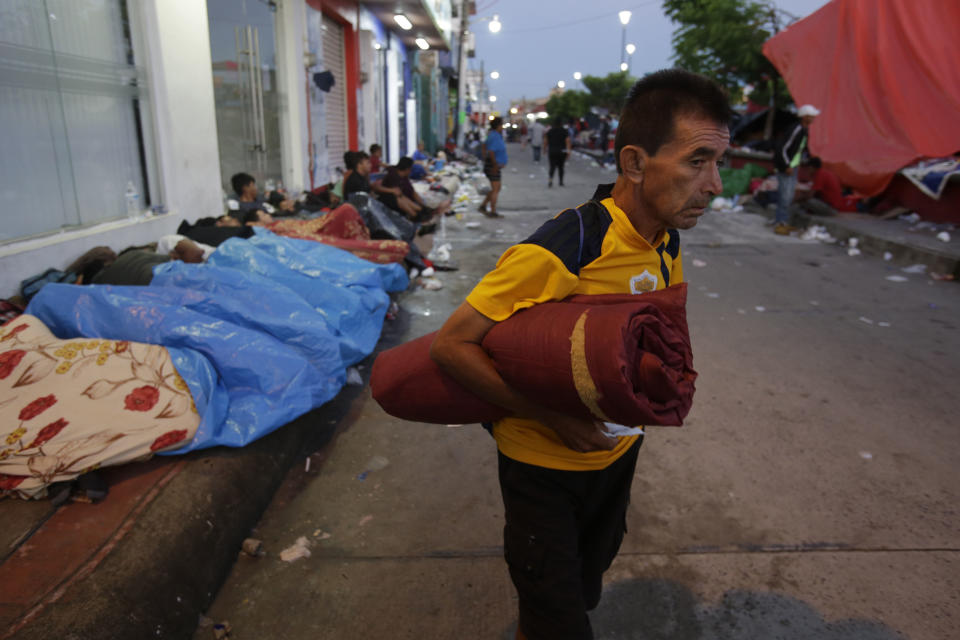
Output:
(807, 121)
(250, 191)
(682, 178)
(363, 167)
(404, 173)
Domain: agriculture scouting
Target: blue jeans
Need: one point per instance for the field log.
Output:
(536, 154)
(786, 185)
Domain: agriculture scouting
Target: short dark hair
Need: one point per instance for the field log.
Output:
(374, 148)
(495, 123)
(404, 163)
(655, 101)
(348, 159)
(240, 180)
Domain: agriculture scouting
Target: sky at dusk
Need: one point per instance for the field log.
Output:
(543, 41)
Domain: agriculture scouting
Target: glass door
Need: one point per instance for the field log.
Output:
(243, 48)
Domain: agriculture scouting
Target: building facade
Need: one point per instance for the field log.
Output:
(127, 117)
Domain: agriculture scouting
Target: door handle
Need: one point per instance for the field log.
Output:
(258, 94)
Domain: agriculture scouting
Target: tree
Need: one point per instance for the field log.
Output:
(610, 91)
(568, 105)
(723, 39)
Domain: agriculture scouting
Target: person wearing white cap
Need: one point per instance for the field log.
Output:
(786, 158)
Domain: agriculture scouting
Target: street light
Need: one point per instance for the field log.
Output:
(494, 25)
(577, 75)
(513, 110)
(561, 84)
(624, 66)
(630, 49)
(493, 98)
(624, 20)
(494, 75)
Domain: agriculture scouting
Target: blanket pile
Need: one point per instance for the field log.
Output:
(618, 358)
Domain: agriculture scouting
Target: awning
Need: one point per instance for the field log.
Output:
(886, 76)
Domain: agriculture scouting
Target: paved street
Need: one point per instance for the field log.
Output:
(812, 492)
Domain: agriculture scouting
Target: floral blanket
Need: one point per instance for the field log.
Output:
(343, 228)
(75, 405)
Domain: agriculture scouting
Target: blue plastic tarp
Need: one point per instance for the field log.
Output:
(261, 334)
(259, 383)
(347, 291)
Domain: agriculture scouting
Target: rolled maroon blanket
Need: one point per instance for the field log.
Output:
(617, 358)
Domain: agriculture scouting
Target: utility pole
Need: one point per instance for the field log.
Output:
(772, 84)
(461, 73)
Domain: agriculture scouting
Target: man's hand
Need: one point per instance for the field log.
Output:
(578, 434)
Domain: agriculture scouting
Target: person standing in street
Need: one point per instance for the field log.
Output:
(558, 144)
(786, 158)
(536, 138)
(494, 154)
(565, 481)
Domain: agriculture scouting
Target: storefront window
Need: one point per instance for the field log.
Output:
(75, 115)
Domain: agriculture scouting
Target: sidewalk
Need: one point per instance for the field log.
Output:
(147, 560)
(908, 242)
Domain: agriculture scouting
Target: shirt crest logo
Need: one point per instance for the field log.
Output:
(643, 283)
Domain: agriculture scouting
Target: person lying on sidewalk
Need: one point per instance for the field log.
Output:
(401, 189)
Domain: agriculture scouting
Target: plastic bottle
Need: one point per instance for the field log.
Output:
(132, 198)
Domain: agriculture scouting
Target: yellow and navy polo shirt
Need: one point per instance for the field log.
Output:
(592, 249)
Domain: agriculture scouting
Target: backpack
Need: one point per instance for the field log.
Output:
(33, 284)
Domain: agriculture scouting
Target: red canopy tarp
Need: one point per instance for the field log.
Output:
(885, 75)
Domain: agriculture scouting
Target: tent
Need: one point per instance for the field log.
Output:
(885, 75)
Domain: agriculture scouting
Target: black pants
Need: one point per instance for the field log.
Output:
(563, 530)
(557, 160)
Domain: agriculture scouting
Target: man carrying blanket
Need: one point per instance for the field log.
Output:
(566, 481)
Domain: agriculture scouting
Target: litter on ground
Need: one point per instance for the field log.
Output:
(296, 551)
(818, 232)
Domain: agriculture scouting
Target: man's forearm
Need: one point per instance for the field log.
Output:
(470, 365)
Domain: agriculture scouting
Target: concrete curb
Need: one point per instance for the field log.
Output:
(872, 241)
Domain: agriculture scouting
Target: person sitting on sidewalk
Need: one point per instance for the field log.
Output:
(398, 179)
(375, 165)
(786, 158)
(827, 195)
(357, 181)
(249, 199)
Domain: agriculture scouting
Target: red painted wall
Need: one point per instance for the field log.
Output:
(345, 13)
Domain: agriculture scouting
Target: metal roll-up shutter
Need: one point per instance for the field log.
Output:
(335, 101)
